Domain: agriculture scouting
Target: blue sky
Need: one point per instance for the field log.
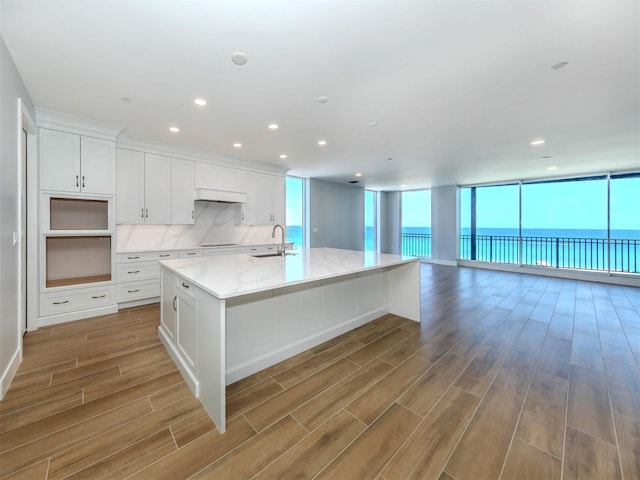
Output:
(559, 205)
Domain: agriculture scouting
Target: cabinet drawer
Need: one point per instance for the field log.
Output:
(191, 253)
(145, 256)
(52, 303)
(131, 272)
(210, 252)
(187, 288)
(128, 292)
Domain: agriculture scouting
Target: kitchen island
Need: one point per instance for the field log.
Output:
(224, 318)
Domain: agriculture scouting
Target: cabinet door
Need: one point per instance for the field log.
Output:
(278, 204)
(157, 189)
(130, 191)
(97, 165)
(187, 339)
(59, 161)
(182, 191)
(249, 209)
(169, 305)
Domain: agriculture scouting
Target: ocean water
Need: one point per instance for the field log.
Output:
(580, 249)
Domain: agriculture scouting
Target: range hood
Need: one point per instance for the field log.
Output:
(214, 195)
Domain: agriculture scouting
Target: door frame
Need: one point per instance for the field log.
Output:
(26, 123)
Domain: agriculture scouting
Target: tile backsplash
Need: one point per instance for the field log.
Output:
(214, 223)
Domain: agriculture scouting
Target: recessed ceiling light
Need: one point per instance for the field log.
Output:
(358, 174)
(239, 58)
(538, 142)
(201, 102)
(558, 66)
(323, 99)
(237, 145)
(125, 100)
(552, 167)
(283, 156)
(403, 185)
(322, 143)
(373, 124)
(273, 126)
(174, 129)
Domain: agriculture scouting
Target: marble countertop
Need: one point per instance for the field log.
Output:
(201, 246)
(231, 276)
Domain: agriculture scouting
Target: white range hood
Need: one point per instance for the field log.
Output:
(214, 195)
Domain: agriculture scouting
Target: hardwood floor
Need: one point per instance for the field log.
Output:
(509, 376)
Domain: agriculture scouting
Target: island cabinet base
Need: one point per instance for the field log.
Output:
(239, 336)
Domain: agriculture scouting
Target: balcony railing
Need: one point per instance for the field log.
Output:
(557, 252)
(416, 244)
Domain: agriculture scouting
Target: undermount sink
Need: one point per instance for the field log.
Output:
(271, 254)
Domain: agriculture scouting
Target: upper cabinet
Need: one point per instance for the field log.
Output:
(144, 188)
(75, 163)
(182, 191)
(265, 200)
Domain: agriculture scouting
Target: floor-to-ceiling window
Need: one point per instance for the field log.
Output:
(625, 222)
(295, 211)
(585, 223)
(416, 223)
(564, 223)
(370, 223)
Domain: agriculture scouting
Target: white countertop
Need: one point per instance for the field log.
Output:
(221, 246)
(235, 275)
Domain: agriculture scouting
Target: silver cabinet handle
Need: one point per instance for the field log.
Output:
(99, 296)
(82, 181)
(191, 214)
(60, 303)
(174, 303)
(134, 271)
(146, 213)
(77, 183)
(164, 255)
(191, 253)
(132, 258)
(133, 291)
(185, 285)
(142, 212)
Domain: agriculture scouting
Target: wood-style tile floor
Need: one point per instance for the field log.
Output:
(508, 376)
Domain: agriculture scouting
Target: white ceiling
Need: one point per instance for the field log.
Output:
(458, 89)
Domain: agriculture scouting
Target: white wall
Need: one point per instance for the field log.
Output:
(336, 215)
(444, 224)
(11, 88)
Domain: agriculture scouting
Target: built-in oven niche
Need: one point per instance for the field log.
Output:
(74, 260)
(78, 214)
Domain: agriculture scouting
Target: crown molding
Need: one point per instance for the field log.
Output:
(131, 142)
(72, 124)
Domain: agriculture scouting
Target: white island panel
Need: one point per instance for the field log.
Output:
(254, 312)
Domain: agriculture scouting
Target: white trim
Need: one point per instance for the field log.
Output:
(601, 277)
(32, 220)
(77, 315)
(449, 263)
(72, 124)
(10, 371)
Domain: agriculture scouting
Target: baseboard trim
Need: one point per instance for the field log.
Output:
(448, 263)
(10, 372)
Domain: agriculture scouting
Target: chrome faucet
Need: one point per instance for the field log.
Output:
(273, 235)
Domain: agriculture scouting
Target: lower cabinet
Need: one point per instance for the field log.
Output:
(178, 325)
(75, 299)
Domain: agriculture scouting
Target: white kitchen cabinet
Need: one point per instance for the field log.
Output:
(74, 163)
(182, 191)
(138, 276)
(187, 322)
(144, 188)
(169, 306)
(265, 200)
